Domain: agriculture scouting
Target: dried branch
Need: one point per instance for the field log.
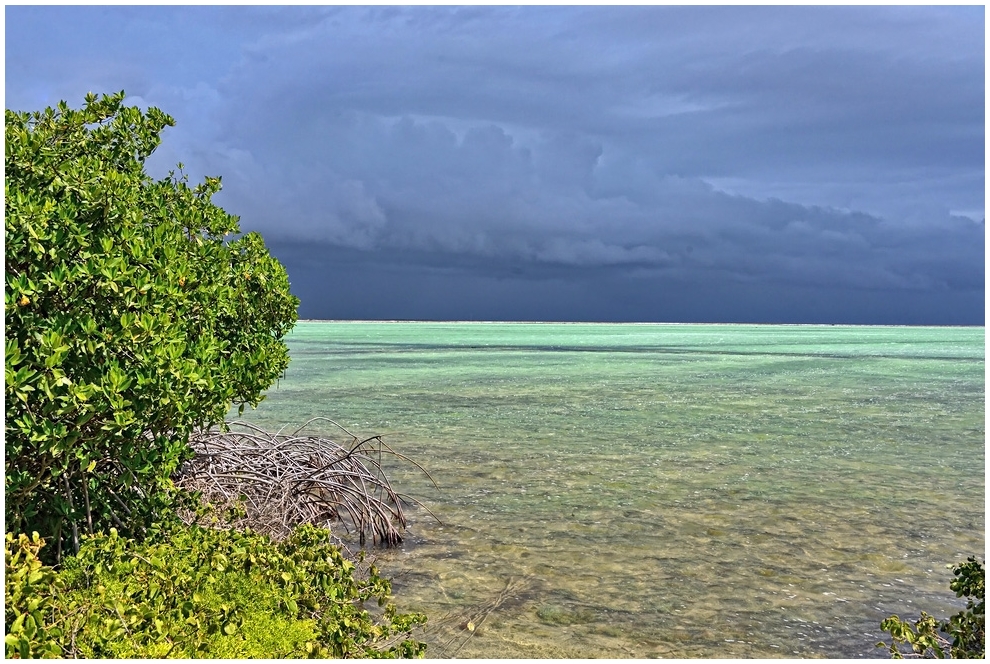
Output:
(284, 480)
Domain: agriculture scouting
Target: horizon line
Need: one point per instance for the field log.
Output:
(606, 322)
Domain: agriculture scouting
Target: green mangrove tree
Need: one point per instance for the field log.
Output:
(135, 313)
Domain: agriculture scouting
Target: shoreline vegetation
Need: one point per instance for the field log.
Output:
(137, 315)
(249, 564)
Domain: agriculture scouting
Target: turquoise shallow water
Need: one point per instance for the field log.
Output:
(663, 490)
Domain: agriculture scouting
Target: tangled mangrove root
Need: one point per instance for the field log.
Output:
(283, 480)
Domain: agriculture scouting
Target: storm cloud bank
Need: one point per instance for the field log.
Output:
(642, 163)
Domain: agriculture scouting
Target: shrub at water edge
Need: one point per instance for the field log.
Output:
(199, 592)
(133, 316)
(962, 636)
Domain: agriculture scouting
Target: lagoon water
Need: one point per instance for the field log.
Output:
(636, 490)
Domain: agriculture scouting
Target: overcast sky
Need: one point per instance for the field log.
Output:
(712, 164)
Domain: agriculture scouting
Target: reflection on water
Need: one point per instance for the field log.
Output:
(663, 490)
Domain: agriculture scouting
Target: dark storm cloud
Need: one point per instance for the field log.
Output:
(557, 151)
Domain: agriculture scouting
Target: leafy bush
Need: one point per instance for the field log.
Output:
(197, 592)
(134, 315)
(962, 636)
(30, 589)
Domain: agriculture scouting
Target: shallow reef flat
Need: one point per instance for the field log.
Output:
(662, 490)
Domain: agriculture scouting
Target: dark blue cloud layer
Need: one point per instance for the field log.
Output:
(639, 163)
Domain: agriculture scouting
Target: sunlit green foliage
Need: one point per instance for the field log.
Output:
(29, 595)
(198, 592)
(134, 314)
(962, 636)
